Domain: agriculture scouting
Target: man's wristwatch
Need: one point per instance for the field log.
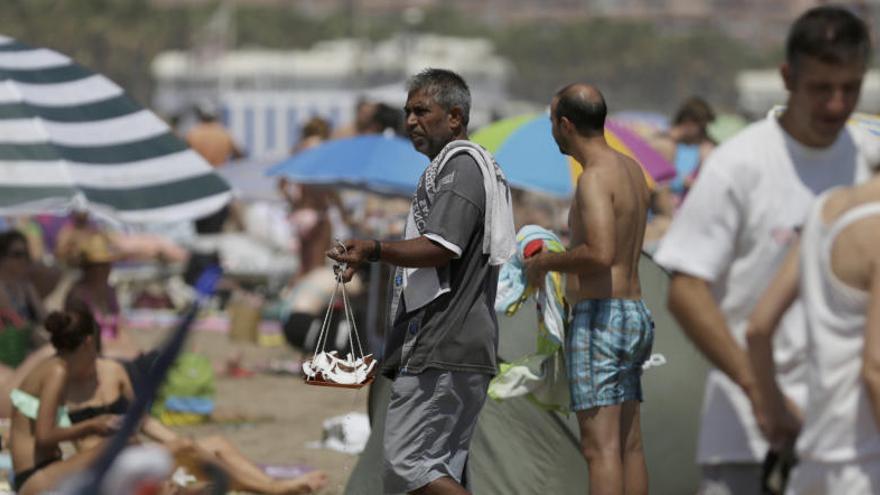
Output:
(376, 254)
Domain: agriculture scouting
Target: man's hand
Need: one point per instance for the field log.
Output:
(353, 255)
(535, 271)
(780, 423)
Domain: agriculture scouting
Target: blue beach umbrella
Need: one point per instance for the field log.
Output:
(376, 163)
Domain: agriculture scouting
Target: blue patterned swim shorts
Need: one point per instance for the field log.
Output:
(607, 343)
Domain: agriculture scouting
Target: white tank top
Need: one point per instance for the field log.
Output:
(839, 425)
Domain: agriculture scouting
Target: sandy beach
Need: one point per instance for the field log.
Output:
(287, 414)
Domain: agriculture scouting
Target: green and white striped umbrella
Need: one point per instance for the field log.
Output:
(69, 135)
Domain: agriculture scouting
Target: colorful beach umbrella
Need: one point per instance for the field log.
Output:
(868, 121)
(645, 123)
(377, 163)
(525, 150)
(68, 135)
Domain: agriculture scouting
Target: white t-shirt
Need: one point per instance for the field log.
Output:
(839, 424)
(734, 230)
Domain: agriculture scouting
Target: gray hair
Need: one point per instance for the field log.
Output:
(446, 87)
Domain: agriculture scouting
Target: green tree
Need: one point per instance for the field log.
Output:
(635, 63)
(118, 38)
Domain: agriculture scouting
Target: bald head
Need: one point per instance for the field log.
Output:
(584, 106)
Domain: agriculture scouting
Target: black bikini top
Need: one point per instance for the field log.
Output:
(117, 407)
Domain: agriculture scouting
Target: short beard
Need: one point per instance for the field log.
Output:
(562, 148)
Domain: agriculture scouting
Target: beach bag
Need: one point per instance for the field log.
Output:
(15, 339)
(190, 377)
(245, 312)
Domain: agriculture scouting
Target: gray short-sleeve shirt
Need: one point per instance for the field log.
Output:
(458, 331)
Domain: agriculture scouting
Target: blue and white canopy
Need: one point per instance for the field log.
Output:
(70, 135)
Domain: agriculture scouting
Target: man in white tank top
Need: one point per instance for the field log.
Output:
(836, 273)
(737, 223)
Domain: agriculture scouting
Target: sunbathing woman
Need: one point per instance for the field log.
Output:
(40, 421)
(108, 392)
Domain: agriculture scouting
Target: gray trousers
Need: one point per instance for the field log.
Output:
(428, 429)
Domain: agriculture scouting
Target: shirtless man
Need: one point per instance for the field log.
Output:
(611, 332)
(211, 140)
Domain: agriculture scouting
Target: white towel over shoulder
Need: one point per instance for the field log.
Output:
(422, 285)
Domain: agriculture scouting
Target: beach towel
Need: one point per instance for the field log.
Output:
(187, 394)
(540, 376)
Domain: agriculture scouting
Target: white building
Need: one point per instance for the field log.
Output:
(267, 95)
